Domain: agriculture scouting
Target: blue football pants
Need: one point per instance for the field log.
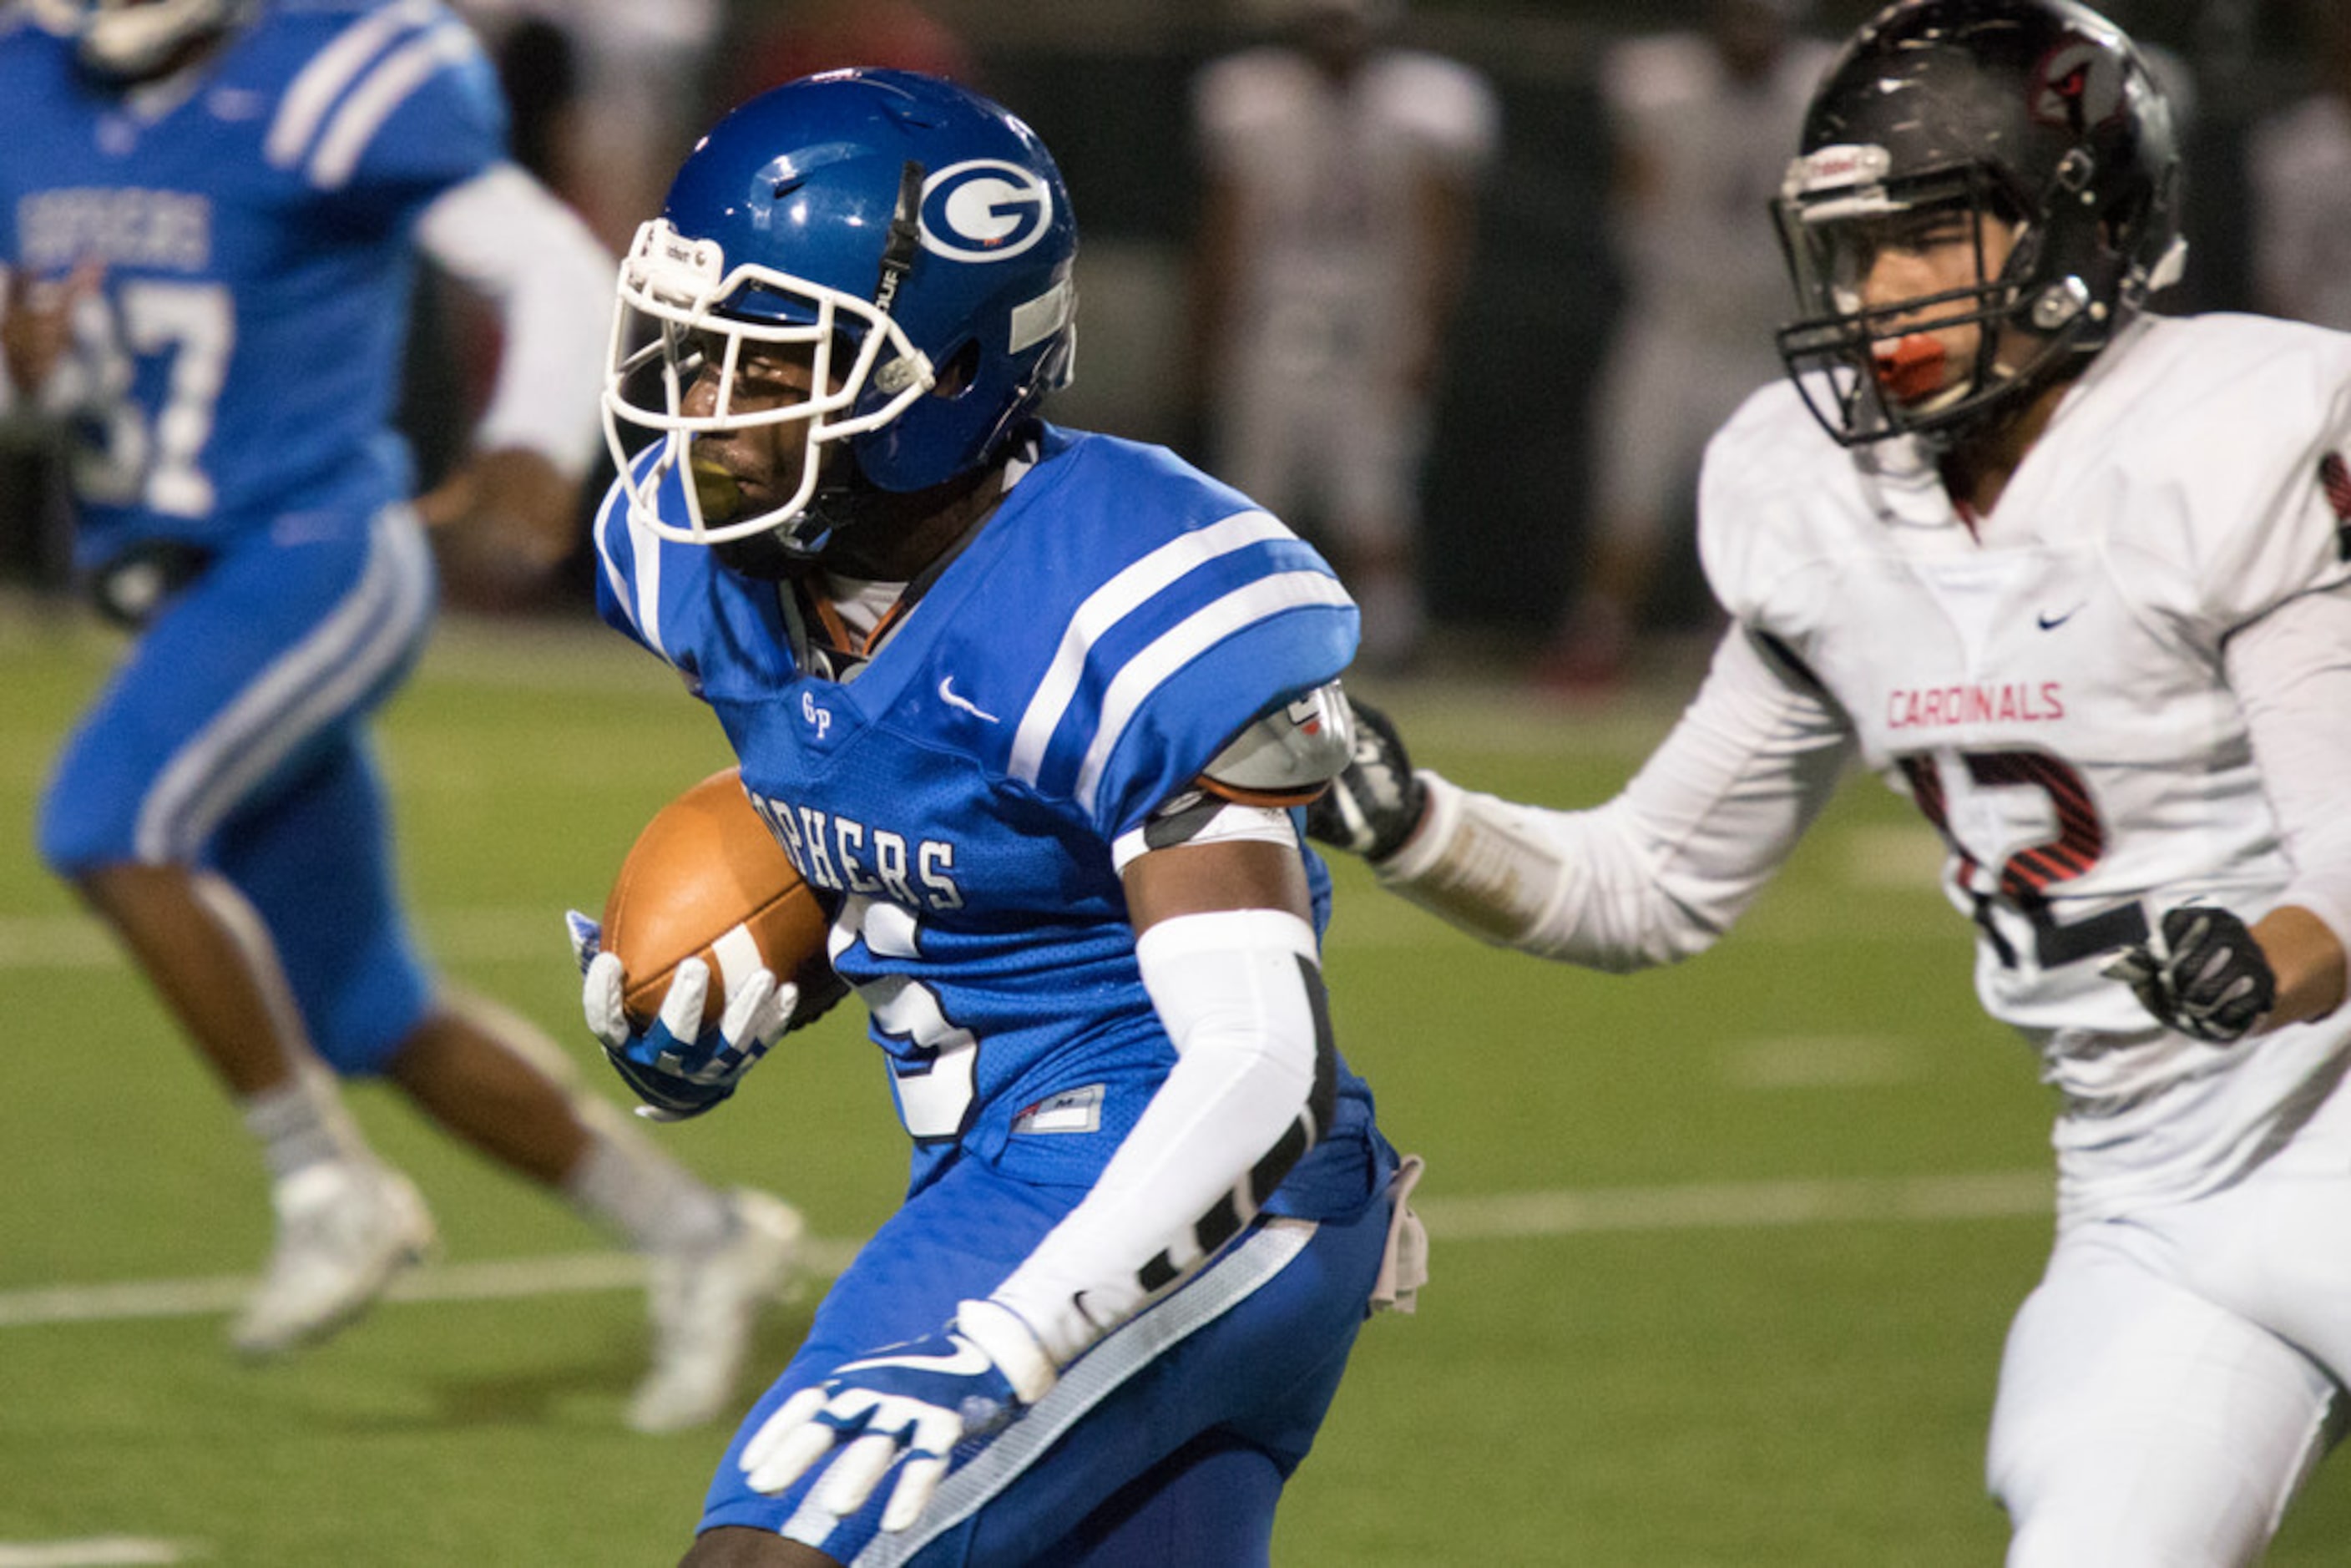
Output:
(1167, 1444)
(232, 736)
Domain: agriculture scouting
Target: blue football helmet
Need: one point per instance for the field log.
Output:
(132, 40)
(910, 235)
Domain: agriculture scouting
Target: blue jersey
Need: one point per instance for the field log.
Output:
(256, 236)
(1116, 623)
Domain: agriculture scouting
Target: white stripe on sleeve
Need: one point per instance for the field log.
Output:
(1187, 640)
(639, 594)
(332, 70)
(391, 84)
(1105, 608)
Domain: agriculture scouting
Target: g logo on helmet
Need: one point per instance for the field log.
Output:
(984, 210)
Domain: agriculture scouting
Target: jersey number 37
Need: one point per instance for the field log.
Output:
(134, 458)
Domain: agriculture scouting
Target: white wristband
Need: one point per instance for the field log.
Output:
(1476, 862)
(1012, 1344)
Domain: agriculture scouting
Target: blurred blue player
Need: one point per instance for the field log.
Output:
(1034, 709)
(211, 213)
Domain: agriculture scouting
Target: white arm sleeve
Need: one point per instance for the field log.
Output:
(2292, 672)
(1240, 993)
(508, 238)
(1660, 872)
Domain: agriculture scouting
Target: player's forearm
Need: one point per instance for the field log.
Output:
(1570, 886)
(1241, 992)
(11, 329)
(2292, 672)
(41, 378)
(2308, 961)
(1662, 870)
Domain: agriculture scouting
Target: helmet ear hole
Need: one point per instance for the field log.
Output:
(961, 370)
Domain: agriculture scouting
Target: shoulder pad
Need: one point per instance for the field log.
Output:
(1286, 756)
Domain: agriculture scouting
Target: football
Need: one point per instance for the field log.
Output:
(706, 878)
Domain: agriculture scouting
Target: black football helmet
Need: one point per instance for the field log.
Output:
(2038, 112)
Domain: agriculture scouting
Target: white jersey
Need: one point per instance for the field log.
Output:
(1702, 154)
(1711, 150)
(2124, 690)
(2050, 684)
(1328, 176)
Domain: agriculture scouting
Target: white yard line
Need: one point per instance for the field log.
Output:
(99, 1552)
(1501, 1217)
(1737, 1206)
(499, 1279)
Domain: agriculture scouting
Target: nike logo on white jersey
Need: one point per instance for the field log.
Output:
(2049, 622)
(947, 695)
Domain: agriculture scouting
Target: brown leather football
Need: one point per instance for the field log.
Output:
(706, 879)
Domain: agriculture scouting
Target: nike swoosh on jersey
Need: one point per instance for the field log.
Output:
(2049, 622)
(968, 1360)
(948, 696)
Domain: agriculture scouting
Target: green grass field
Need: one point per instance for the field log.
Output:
(1723, 1256)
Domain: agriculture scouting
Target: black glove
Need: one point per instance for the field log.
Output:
(1372, 808)
(2212, 980)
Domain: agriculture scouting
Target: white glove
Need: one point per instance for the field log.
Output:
(677, 1067)
(891, 1419)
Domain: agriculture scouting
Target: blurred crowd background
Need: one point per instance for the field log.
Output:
(1616, 192)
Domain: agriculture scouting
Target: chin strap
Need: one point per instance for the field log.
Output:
(904, 241)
